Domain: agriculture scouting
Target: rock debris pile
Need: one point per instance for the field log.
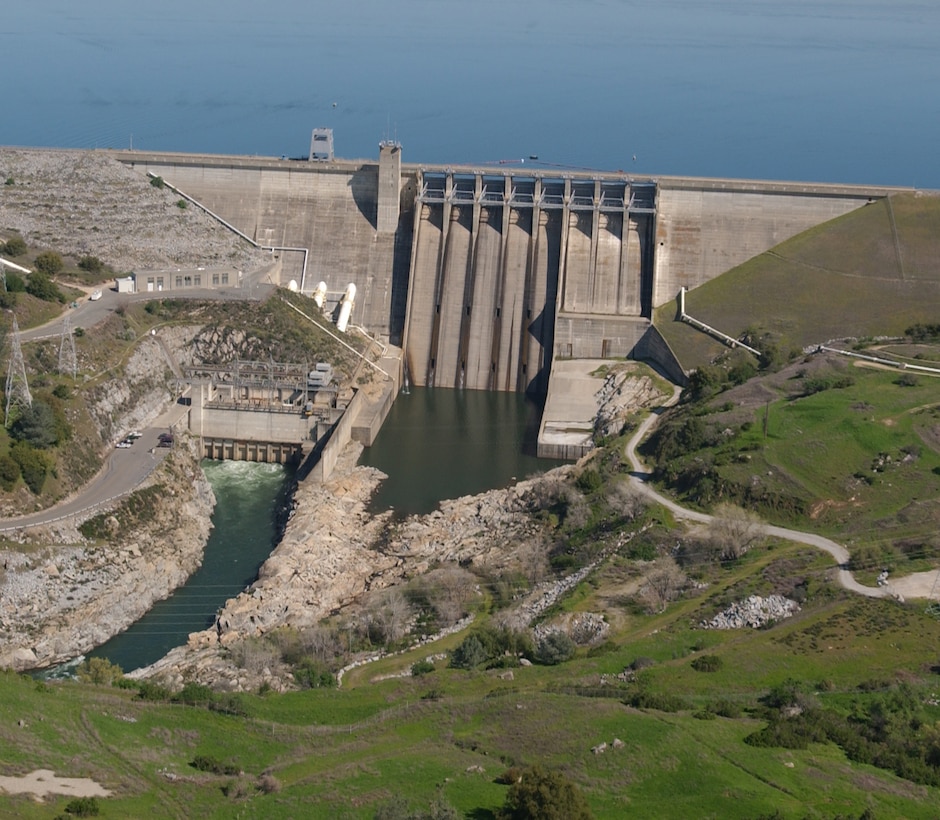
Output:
(754, 611)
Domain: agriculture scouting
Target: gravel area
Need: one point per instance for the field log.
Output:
(81, 203)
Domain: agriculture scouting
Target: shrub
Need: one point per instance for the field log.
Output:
(147, 690)
(42, 287)
(707, 663)
(7, 300)
(269, 784)
(91, 264)
(13, 247)
(9, 472)
(589, 481)
(83, 807)
(33, 465)
(419, 668)
(49, 263)
(207, 763)
(660, 701)
(15, 282)
(555, 648)
(157, 182)
(194, 694)
(311, 674)
(182, 204)
(544, 795)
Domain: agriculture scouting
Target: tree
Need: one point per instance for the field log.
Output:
(470, 654)
(664, 581)
(734, 530)
(448, 591)
(625, 500)
(42, 287)
(37, 426)
(544, 795)
(99, 670)
(49, 263)
(389, 617)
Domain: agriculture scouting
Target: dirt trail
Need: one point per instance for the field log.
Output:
(916, 585)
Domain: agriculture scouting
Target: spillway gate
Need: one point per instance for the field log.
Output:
(507, 269)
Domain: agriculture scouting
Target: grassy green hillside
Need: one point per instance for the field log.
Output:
(873, 272)
(451, 734)
(853, 452)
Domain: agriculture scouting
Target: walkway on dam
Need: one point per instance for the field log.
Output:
(916, 585)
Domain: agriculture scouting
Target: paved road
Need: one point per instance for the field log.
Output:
(89, 313)
(123, 471)
(640, 478)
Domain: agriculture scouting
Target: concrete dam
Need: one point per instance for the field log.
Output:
(484, 275)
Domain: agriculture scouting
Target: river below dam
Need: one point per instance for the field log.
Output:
(244, 531)
(435, 444)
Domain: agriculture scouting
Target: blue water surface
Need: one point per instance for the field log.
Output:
(821, 90)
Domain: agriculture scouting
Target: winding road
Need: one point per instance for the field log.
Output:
(916, 585)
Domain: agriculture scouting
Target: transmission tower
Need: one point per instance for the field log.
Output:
(68, 363)
(17, 387)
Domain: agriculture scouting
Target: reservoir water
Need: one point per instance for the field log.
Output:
(248, 497)
(818, 90)
(438, 444)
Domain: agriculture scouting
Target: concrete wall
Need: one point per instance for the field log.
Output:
(331, 209)
(266, 452)
(652, 347)
(338, 438)
(706, 227)
(490, 272)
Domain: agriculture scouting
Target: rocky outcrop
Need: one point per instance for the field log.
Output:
(62, 599)
(136, 394)
(622, 394)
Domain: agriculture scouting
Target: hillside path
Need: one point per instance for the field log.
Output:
(640, 477)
